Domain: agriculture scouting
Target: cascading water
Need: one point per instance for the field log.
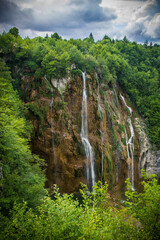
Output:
(130, 142)
(84, 136)
(51, 113)
(102, 167)
(100, 112)
(51, 106)
(117, 152)
(115, 99)
(26, 90)
(115, 95)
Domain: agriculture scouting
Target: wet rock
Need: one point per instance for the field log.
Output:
(149, 158)
(66, 160)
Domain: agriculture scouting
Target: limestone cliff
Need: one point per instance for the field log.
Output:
(55, 111)
(149, 158)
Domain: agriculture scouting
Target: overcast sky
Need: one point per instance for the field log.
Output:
(139, 20)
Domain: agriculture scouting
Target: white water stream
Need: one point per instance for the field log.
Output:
(51, 113)
(130, 142)
(84, 136)
(102, 167)
(100, 112)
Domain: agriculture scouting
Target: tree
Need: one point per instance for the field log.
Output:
(46, 36)
(56, 36)
(21, 176)
(125, 39)
(14, 31)
(106, 38)
(145, 206)
(65, 218)
(91, 38)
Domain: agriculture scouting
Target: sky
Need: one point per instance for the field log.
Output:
(139, 20)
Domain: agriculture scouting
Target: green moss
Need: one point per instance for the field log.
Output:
(40, 113)
(66, 116)
(60, 105)
(108, 159)
(76, 73)
(116, 123)
(114, 117)
(121, 128)
(124, 141)
(45, 94)
(28, 73)
(103, 93)
(80, 148)
(110, 181)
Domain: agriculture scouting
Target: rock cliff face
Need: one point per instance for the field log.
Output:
(149, 158)
(55, 111)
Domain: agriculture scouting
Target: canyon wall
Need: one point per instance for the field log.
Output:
(55, 109)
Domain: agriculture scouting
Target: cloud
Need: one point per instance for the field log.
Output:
(137, 19)
(52, 14)
(90, 11)
(10, 13)
(145, 22)
(153, 27)
(74, 14)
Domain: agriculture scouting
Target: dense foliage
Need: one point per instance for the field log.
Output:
(136, 67)
(145, 206)
(26, 213)
(65, 218)
(20, 175)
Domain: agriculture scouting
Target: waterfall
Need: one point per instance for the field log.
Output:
(116, 110)
(130, 142)
(115, 94)
(102, 167)
(84, 136)
(115, 99)
(100, 113)
(51, 113)
(26, 90)
(51, 107)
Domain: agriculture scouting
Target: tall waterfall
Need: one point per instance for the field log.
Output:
(51, 107)
(116, 109)
(51, 113)
(84, 136)
(102, 167)
(115, 99)
(26, 90)
(130, 142)
(100, 113)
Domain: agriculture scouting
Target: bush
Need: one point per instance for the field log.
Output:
(65, 218)
(145, 207)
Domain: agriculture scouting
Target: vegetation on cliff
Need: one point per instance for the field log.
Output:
(26, 213)
(136, 67)
(94, 218)
(20, 175)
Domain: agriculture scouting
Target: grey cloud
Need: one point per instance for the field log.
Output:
(136, 31)
(134, 0)
(151, 8)
(10, 13)
(73, 14)
(90, 11)
(145, 22)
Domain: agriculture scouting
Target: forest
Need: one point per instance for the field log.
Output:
(27, 209)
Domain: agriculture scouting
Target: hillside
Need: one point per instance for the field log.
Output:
(89, 109)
